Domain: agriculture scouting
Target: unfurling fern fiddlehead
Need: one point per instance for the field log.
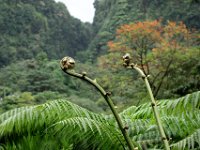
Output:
(67, 64)
(127, 63)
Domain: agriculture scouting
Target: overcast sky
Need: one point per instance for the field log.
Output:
(82, 9)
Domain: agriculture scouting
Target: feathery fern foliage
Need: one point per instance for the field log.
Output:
(60, 124)
(180, 118)
(60, 121)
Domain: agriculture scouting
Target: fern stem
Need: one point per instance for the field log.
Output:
(154, 106)
(108, 100)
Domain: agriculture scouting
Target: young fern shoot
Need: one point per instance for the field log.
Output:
(68, 63)
(127, 63)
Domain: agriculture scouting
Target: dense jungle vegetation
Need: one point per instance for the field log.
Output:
(38, 101)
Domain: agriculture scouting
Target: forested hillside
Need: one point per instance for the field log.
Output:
(29, 27)
(34, 35)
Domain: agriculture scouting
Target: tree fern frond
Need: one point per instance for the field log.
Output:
(29, 119)
(179, 127)
(179, 117)
(16, 122)
(150, 137)
(190, 142)
(31, 142)
(65, 109)
(137, 126)
(177, 106)
(74, 119)
(12, 112)
(186, 103)
(74, 127)
(85, 129)
(142, 112)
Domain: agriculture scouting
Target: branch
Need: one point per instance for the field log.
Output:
(162, 79)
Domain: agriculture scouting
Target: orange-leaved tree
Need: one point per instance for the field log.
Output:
(159, 49)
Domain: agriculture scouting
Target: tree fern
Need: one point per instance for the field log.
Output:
(180, 117)
(90, 132)
(190, 142)
(60, 118)
(60, 124)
